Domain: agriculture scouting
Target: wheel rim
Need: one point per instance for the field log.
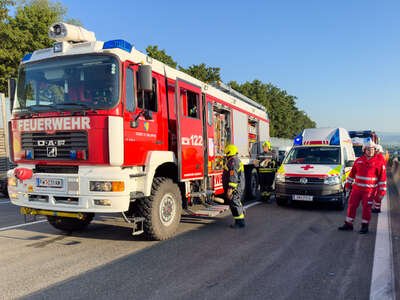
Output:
(167, 209)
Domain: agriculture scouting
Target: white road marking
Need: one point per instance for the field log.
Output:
(382, 282)
(21, 225)
(5, 202)
(252, 204)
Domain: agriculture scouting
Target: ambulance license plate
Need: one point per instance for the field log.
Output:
(302, 197)
(49, 182)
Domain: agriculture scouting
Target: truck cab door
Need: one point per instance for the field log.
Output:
(190, 131)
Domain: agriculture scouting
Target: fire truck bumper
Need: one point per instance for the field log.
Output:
(107, 192)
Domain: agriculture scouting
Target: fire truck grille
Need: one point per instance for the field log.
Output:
(56, 146)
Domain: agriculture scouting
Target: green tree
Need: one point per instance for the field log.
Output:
(161, 55)
(203, 73)
(286, 120)
(25, 32)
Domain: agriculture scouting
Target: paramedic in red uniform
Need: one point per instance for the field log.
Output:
(233, 182)
(376, 205)
(367, 176)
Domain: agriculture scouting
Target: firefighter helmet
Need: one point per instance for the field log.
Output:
(231, 150)
(267, 144)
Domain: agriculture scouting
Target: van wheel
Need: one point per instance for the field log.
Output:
(339, 205)
(70, 224)
(281, 201)
(162, 210)
(252, 184)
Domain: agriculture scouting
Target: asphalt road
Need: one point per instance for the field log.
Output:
(284, 253)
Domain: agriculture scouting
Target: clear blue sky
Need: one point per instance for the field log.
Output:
(341, 58)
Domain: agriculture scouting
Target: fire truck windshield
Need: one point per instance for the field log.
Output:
(68, 83)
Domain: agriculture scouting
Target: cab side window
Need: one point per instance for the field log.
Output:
(129, 91)
(192, 105)
(149, 97)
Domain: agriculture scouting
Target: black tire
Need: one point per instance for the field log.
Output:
(281, 201)
(5, 192)
(70, 224)
(340, 205)
(162, 210)
(252, 184)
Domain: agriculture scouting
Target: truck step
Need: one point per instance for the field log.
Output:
(210, 211)
(137, 225)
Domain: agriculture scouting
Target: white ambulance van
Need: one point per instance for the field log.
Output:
(316, 167)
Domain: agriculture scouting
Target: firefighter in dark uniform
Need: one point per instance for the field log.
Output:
(233, 182)
(267, 168)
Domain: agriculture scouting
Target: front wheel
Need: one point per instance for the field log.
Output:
(70, 224)
(162, 210)
(341, 203)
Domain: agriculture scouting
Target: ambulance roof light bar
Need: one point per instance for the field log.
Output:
(298, 140)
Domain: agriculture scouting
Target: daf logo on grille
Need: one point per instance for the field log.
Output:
(43, 143)
(51, 151)
(303, 180)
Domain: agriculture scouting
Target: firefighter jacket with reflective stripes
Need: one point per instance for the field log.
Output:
(233, 175)
(368, 174)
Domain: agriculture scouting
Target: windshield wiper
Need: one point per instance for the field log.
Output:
(78, 105)
(40, 107)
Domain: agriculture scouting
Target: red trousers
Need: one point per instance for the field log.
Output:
(364, 196)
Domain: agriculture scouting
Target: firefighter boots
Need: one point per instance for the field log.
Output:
(239, 223)
(376, 210)
(346, 226)
(364, 228)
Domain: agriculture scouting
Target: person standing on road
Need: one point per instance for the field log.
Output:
(367, 175)
(377, 200)
(233, 183)
(267, 169)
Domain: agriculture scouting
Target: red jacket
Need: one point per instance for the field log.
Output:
(368, 175)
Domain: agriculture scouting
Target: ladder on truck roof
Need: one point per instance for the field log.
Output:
(227, 89)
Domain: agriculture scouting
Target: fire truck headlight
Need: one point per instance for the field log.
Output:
(107, 186)
(12, 181)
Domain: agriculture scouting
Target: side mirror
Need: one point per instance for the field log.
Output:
(12, 85)
(145, 80)
(349, 163)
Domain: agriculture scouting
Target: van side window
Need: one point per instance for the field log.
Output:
(149, 97)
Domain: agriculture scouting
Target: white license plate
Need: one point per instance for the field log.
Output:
(302, 197)
(49, 182)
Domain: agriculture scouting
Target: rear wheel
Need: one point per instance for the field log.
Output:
(70, 224)
(162, 210)
(252, 184)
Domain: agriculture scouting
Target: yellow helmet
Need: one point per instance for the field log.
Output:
(231, 150)
(267, 144)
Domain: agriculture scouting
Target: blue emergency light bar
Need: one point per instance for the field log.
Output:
(335, 139)
(298, 140)
(121, 44)
(360, 133)
(27, 57)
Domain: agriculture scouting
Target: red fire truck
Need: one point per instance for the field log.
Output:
(99, 127)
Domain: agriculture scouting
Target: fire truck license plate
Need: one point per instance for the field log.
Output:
(302, 197)
(49, 182)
